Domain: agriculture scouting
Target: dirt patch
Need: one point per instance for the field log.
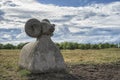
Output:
(83, 72)
(96, 72)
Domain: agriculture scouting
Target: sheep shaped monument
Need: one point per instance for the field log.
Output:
(42, 55)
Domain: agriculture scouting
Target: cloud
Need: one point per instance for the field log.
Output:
(1, 15)
(91, 23)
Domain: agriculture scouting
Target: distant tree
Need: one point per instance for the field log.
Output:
(9, 46)
(99, 46)
(95, 46)
(58, 44)
(82, 46)
(113, 46)
(61, 45)
(20, 46)
(70, 45)
(107, 45)
(66, 45)
(79, 46)
(102, 46)
(76, 45)
(1, 46)
(88, 46)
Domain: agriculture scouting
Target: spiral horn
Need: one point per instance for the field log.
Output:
(33, 28)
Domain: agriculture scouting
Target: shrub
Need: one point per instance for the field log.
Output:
(9, 46)
(20, 46)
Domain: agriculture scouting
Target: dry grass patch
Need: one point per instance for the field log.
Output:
(91, 56)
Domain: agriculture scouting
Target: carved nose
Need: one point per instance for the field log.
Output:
(52, 28)
(53, 25)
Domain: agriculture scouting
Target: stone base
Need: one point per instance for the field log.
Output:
(41, 58)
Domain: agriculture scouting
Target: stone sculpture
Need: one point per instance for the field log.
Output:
(42, 55)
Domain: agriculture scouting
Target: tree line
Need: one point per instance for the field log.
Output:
(72, 45)
(11, 46)
(66, 45)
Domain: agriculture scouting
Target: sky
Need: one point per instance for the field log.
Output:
(75, 3)
(83, 21)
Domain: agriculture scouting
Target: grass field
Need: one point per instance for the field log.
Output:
(79, 63)
(91, 56)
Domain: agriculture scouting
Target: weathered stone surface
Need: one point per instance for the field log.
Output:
(42, 55)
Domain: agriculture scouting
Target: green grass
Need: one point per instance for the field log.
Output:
(9, 60)
(24, 72)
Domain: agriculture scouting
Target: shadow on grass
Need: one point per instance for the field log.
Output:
(52, 76)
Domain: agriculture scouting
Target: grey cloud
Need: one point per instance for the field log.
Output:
(104, 31)
(64, 18)
(9, 3)
(1, 15)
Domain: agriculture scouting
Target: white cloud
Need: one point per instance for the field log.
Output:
(79, 21)
(6, 36)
